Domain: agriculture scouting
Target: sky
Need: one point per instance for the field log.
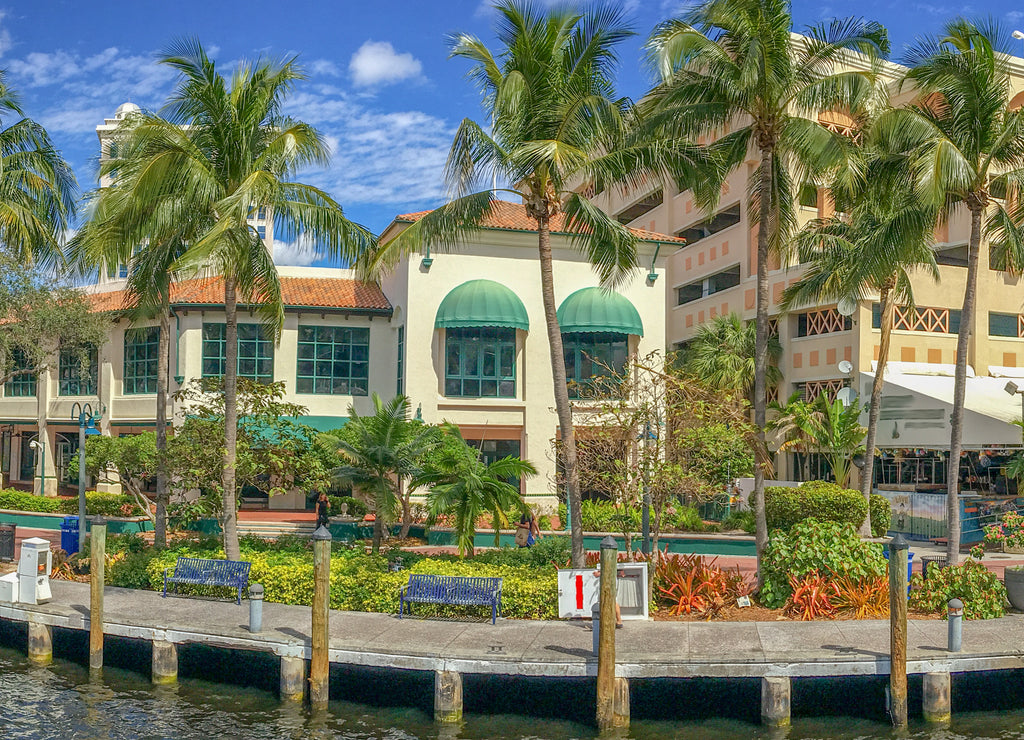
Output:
(381, 88)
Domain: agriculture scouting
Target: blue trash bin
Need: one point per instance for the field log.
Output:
(910, 567)
(69, 535)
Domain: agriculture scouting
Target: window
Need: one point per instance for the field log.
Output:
(952, 256)
(1005, 325)
(641, 207)
(261, 213)
(590, 355)
(333, 360)
(112, 150)
(492, 450)
(262, 231)
(141, 347)
(997, 258)
(255, 351)
(20, 385)
(808, 195)
(932, 320)
(480, 362)
(400, 385)
(708, 286)
(76, 380)
(722, 220)
(825, 321)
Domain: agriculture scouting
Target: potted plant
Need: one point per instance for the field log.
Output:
(1008, 533)
(1013, 579)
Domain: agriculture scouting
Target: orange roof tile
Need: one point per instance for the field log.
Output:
(319, 292)
(512, 217)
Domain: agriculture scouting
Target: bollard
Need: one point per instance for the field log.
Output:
(935, 698)
(955, 615)
(319, 665)
(40, 643)
(607, 717)
(97, 576)
(898, 631)
(255, 608)
(595, 626)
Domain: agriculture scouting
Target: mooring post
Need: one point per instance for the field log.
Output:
(319, 666)
(40, 643)
(97, 576)
(936, 704)
(898, 630)
(165, 662)
(955, 630)
(255, 607)
(606, 715)
(447, 697)
(775, 701)
(293, 678)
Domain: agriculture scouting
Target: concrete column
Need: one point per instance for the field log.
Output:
(937, 705)
(40, 643)
(447, 696)
(293, 679)
(620, 702)
(165, 662)
(775, 701)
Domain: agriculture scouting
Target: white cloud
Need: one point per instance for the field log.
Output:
(5, 35)
(300, 252)
(325, 67)
(377, 63)
(1015, 15)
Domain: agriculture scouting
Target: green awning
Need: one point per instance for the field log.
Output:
(599, 310)
(481, 303)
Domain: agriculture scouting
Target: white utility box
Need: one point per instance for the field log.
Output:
(9, 587)
(34, 567)
(578, 591)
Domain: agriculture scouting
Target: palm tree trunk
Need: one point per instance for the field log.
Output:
(162, 382)
(496, 519)
(868, 471)
(562, 407)
(229, 518)
(761, 359)
(378, 531)
(960, 389)
(405, 495)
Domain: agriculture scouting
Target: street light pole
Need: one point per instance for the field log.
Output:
(86, 427)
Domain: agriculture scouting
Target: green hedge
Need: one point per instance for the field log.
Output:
(820, 500)
(356, 508)
(881, 515)
(107, 504)
(24, 501)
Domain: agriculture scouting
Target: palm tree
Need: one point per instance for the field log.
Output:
(828, 426)
(221, 150)
(964, 148)
(463, 485)
(885, 235)
(736, 62)
(380, 452)
(556, 123)
(721, 355)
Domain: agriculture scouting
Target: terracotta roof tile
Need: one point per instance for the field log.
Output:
(319, 292)
(512, 217)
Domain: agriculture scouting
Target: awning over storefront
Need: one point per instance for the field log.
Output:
(599, 310)
(320, 423)
(481, 303)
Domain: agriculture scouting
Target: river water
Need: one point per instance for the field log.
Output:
(61, 701)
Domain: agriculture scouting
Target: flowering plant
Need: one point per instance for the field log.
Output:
(1009, 532)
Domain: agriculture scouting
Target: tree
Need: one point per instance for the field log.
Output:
(737, 63)
(556, 123)
(129, 461)
(885, 234)
(221, 151)
(721, 355)
(465, 487)
(380, 452)
(828, 426)
(965, 149)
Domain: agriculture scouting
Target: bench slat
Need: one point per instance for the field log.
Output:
(204, 572)
(453, 590)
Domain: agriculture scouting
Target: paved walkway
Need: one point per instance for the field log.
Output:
(537, 648)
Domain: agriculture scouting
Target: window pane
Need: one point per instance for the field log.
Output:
(333, 348)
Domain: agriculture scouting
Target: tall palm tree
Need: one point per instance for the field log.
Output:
(964, 146)
(885, 235)
(220, 150)
(557, 122)
(721, 355)
(737, 63)
(380, 452)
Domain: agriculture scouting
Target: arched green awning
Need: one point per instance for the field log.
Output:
(598, 310)
(481, 303)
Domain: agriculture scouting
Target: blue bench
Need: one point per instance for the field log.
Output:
(202, 572)
(455, 590)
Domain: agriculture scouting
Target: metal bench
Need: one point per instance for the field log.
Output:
(202, 572)
(455, 590)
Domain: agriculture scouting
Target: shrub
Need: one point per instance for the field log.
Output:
(25, 501)
(356, 508)
(813, 596)
(545, 552)
(105, 504)
(821, 500)
(131, 571)
(689, 584)
(865, 598)
(743, 520)
(881, 515)
(544, 523)
(827, 548)
(983, 595)
(686, 519)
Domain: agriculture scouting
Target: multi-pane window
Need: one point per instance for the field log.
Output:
(141, 348)
(590, 355)
(262, 231)
(255, 351)
(708, 286)
(23, 384)
(78, 378)
(919, 318)
(333, 360)
(824, 321)
(480, 362)
(1006, 325)
(400, 385)
(722, 220)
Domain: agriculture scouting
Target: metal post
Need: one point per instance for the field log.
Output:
(97, 549)
(595, 626)
(255, 608)
(81, 478)
(319, 665)
(955, 615)
(606, 715)
(898, 630)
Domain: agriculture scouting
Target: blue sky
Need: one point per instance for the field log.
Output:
(381, 87)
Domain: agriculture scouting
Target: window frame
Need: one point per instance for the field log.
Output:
(24, 385)
(262, 339)
(336, 353)
(69, 374)
(151, 345)
(496, 340)
(571, 342)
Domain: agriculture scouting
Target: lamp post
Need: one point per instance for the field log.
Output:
(37, 445)
(83, 414)
(1012, 387)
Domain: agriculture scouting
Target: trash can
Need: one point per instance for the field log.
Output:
(69, 535)
(7, 532)
(910, 566)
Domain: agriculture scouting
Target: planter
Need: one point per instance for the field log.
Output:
(1013, 550)
(1013, 579)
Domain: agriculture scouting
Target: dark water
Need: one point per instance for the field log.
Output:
(61, 701)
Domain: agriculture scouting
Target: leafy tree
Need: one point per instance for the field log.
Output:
(130, 461)
(557, 122)
(721, 355)
(965, 149)
(221, 150)
(465, 487)
(737, 63)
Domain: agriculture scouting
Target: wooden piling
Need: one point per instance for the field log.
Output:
(775, 701)
(898, 631)
(165, 662)
(935, 703)
(447, 697)
(607, 718)
(97, 576)
(319, 666)
(293, 678)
